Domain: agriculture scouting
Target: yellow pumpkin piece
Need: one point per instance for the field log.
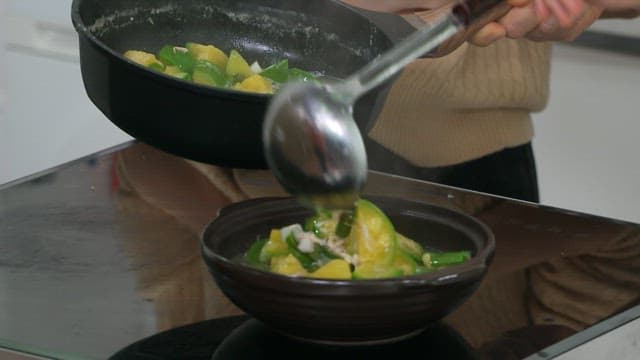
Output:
(376, 271)
(238, 66)
(372, 235)
(209, 53)
(255, 83)
(143, 58)
(410, 247)
(175, 72)
(405, 263)
(275, 246)
(287, 265)
(335, 269)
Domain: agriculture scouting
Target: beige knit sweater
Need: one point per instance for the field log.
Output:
(470, 103)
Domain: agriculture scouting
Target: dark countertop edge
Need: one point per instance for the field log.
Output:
(616, 43)
(542, 206)
(588, 334)
(40, 173)
(115, 148)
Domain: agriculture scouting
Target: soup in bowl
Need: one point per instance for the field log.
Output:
(348, 310)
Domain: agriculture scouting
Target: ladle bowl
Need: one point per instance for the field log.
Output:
(311, 141)
(315, 147)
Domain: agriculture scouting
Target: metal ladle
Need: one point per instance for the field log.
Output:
(312, 143)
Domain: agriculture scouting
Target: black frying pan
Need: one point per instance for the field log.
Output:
(216, 126)
(212, 125)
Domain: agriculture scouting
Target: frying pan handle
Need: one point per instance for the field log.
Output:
(473, 14)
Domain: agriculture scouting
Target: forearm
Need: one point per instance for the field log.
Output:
(619, 8)
(621, 14)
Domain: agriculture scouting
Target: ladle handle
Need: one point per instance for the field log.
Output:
(463, 18)
(451, 28)
(473, 14)
(386, 65)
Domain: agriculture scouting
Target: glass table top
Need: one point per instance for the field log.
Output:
(102, 253)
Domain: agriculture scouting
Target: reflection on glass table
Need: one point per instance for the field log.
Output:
(100, 255)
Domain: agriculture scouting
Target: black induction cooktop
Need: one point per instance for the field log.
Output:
(106, 248)
(241, 337)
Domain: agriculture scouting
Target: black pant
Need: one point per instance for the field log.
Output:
(510, 172)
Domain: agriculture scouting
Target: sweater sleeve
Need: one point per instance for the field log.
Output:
(465, 105)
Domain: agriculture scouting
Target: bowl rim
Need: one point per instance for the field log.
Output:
(471, 269)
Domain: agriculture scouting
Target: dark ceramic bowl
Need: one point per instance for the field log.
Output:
(345, 312)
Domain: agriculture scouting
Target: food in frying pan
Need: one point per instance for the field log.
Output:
(338, 244)
(208, 65)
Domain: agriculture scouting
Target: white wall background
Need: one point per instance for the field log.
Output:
(585, 145)
(45, 116)
(586, 142)
(618, 26)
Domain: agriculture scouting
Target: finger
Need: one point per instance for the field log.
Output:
(542, 10)
(558, 11)
(551, 30)
(547, 30)
(519, 3)
(575, 8)
(488, 34)
(520, 21)
(566, 11)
